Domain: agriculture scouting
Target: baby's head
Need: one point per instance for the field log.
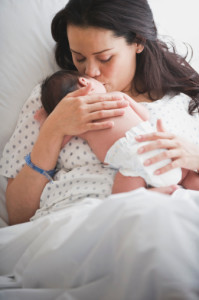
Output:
(63, 82)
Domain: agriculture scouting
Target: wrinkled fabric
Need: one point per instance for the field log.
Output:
(139, 245)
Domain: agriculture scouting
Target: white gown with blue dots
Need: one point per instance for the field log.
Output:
(80, 174)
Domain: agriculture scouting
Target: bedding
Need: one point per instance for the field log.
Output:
(106, 250)
(139, 243)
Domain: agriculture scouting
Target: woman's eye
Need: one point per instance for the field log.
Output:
(104, 60)
(80, 60)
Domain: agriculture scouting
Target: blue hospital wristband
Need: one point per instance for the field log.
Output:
(48, 174)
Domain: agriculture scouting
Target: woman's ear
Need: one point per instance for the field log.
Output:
(140, 48)
(140, 42)
(83, 81)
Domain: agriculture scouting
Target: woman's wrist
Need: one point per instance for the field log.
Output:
(47, 173)
(46, 149)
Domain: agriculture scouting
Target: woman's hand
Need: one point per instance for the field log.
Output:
(182, 153)
(79, 111)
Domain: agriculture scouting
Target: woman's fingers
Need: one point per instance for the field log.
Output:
(158, 144)
(167, 154)
(92, 124)
(154, 136)
(173, 164)
(182, 153)
(157, 135)
(94, 107)
(107, 105)
(96, 98)
(160, 126)
(99, 125)
(104, 114)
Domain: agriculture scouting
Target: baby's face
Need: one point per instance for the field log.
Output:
(97, 87)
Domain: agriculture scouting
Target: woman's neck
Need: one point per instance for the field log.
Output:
(145, 97)
(139, 97)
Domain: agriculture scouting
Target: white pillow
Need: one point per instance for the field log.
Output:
(26, 58)
(26, 54)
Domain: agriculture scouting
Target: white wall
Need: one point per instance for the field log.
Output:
(180, 20)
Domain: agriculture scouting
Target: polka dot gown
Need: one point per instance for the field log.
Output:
(80, 174)
(174, 113)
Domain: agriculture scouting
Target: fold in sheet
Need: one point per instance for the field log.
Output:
(139, 243)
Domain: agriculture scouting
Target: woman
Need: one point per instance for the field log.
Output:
(117, 146)
(117, 44)
(126, 249)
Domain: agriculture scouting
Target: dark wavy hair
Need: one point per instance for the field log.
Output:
(159, 67)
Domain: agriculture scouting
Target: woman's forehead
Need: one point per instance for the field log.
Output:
(95, 39)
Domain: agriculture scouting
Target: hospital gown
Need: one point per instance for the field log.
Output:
(80, 174)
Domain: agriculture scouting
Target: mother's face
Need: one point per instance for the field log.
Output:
(99, 54)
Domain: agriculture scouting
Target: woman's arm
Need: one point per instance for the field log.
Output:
(183, 153)
(23, 193)
(72, 116)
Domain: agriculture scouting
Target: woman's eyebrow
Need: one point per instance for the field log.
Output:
(99, 52)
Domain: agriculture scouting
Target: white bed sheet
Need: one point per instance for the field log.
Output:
(149, 249)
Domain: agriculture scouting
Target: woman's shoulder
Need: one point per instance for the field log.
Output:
(34, 100)
(171, 99)
(177, 97)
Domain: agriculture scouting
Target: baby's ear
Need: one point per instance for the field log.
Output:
(83, 81)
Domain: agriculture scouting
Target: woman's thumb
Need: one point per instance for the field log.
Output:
(160, 126)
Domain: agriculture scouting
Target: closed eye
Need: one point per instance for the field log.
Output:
(80, 60)
(105, 60)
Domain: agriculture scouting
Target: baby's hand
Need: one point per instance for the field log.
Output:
(40, 116)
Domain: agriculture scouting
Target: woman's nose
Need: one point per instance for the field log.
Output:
(92, 70)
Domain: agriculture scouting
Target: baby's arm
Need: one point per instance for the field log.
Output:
(140, 109)
(124, 184)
